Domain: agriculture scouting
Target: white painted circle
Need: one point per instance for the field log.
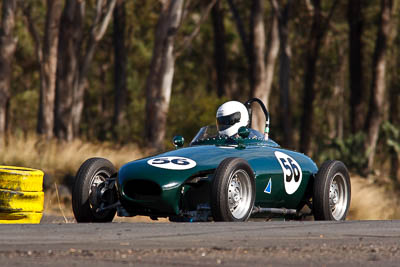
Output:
(292, 174)
(172, 163)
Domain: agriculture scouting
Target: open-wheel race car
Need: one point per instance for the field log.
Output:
(220, 177)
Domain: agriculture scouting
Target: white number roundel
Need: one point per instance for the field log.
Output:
(292, 174)
(172, 163)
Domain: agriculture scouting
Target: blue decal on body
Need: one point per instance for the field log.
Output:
(269, 187)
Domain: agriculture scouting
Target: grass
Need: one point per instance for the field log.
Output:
(372, 199)
(59, 159)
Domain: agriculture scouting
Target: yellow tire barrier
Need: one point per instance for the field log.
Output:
(20, 217)
(21, 195)
(11, 201)
(21, 179)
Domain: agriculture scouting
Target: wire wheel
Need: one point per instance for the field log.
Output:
(239, 193)
(338, 196)
(332, 192)
(232, 191)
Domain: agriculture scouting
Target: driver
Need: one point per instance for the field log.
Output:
(230, 117)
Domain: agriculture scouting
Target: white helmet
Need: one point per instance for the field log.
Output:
(230, 117)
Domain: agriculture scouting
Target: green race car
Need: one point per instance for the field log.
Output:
(216, 178)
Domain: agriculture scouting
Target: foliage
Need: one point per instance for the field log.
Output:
(392, 136)
(60, 160)
(349, 150)
(187, 117)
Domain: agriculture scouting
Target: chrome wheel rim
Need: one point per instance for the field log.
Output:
(239, 194)
(338, 196)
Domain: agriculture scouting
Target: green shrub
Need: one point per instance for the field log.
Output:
(392, 136)
(350, 150)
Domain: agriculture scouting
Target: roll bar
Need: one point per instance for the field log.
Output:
(264, 109)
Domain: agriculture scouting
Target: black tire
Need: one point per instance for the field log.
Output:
(83, 211)
(332, 192)
(222, 183)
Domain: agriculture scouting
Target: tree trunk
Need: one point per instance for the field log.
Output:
(285, 55)
(318, 29)
(394, 111)
(219, 48)
(394, 119)
(159, 80)
(357, 90)
(335, 119)
(48, 67)
(338, 94)
(376, 106)
(262, 72)
(7, 48)
(313, 47)
(119, 65)
(74, 63)
(67, 66)
(247, 47)
(104, 11)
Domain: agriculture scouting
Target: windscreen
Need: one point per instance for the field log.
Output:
(211, 131)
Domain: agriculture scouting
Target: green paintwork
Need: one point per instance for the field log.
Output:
(208, 154)
(243, 132)
(178, 141)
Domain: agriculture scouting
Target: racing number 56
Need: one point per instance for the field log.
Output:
(177, 161)
(291, 168)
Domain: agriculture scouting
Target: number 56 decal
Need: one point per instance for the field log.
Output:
(172, 163)
(291, 171)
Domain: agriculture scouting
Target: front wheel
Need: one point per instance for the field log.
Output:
(232, 191)
(91, 176)
(332, 192)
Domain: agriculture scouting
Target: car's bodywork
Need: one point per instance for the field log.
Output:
(150, 190)
(152, 186)
(215, 177)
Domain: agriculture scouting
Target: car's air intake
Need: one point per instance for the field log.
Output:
(136, 188)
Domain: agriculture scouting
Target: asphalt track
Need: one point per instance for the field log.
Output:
(276, 243)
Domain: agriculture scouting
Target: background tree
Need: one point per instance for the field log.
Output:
(263, 59)
(394, 110)
(217, 16)
(46, 54)
(75, 57)
(8, 44)
(159, 80)
(120, 55)
(394, 119)
(214, 60)
(285, 54)
(244, 38)
(378, 86)
(356, 60)
(318, 30)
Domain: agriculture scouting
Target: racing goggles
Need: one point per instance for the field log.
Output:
(224, 122)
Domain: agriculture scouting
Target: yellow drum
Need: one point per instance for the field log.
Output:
(21, 195)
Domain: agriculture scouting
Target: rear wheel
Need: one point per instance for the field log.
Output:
(91, 176)
(232, 191)
(332, 192)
